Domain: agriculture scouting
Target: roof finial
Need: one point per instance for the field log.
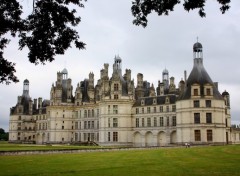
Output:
(197, 39)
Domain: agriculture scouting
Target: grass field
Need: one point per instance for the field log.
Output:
(212, 161)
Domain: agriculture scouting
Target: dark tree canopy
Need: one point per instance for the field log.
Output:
(49, 29)
(46, 32)
(142, 8)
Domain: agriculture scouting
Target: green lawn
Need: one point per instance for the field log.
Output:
(212, 161)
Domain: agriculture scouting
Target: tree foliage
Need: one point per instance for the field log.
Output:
(3, 135)
(142, 8)
(46, 32)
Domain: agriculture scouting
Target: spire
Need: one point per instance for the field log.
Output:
(26, 88)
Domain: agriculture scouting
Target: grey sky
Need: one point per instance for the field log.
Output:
(166, 42)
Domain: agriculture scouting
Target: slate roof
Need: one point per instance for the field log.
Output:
(200, 76)
(148, 101)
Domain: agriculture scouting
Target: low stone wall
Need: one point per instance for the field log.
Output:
(39, 152)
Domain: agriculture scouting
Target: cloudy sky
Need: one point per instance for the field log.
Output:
(166, 42)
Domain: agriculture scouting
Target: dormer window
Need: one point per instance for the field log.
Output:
(115, 96)
(167, 100)
(154, 101)
(115, 87)
(195, 92)
(208, 90)
(142, 102)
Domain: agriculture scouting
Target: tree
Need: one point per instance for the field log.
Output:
(49, 29)
(142, 8)
(3, 135)
(46, 32)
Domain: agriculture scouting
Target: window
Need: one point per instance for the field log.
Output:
(109, 136)
(115, 109)
(85, 113)
(167, 108)
(115, 122)
(89, 124)
(148, 109)
(92, 112)
(167, 121)
(154, 101)
(137, 122)
(109, 122)
(142, 110)
(143, 122)
(137, 111)
(85, 124)
(97, 112)
(154, 109)
(173, 108)
(62, 127)
(208, 117)
(19, 118)
(197, 135)
(208, 91)
(155, 121)
(89, 113)
(115, 87)
(196, 117)
(92, 126)
(174, 122)
(149, 122)
(195, 92)
(161, 121)
(115, 136)
(196, 104)
(161, 108)
(109, 109)
(115, 97)
(208, 103)
(76, 125)
(209, 135)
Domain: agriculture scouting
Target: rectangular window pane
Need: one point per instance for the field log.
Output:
(196, 104)
(197, 134)
(115, 122)
(109, 136)
(197, 118)
(137, 122)
(149, 122)
(195, 92)
(143, 122)
(137, 111)
(208, 103)
(161, 108)
(209, 135)
(173, 108)
(115, 109)
(208, 117)
(174, 122)
(148, 109)
(115, 136)
(161, 121)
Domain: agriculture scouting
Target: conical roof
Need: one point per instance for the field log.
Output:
(199, 76)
